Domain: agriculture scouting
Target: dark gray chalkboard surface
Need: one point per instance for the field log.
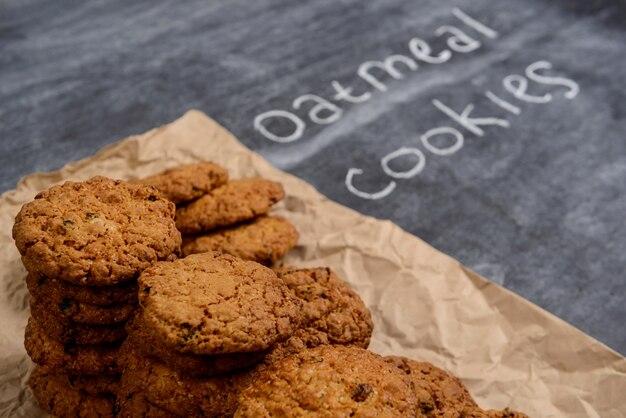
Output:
(496, 131)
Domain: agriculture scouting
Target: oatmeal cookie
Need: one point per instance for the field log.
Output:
(264, 240)
(329, 381)
(438, 393)
(66, 331)
(186, 363)
(58, 398)
(41, 286)
(187, 182)
(333, 312)
(236, 201)
(213, 303)
(69, 358)
(95, 232)
(64, 308)
(213, 396)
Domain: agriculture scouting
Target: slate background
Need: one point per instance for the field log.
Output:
(538, 207)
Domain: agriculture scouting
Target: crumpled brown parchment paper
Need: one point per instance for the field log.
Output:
(425, 305)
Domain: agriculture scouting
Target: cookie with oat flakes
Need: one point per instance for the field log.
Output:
(95, 232)
(265, 240)
(187, 182)
(236, 201)
(215, 303)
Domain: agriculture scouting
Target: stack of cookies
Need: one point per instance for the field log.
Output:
(215, 214)
(209, 323)
(84, 244)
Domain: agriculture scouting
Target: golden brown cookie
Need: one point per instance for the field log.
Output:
(187, 182)
(213, 396)
(64, 308)
(91, 384)
(329, 381)
(236, 201)
(438, 393)
(333, 312)
(264, 240)
(96, 232)
(69, 358)
(214, 304)
(58, 398)
(137, 406)
(95, 384)
(66, 331)
(41, 286)
(185, 363)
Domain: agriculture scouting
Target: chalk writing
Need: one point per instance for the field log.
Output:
(442, 140)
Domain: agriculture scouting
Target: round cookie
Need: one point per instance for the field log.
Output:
(56, 397)
(214, 303)
(41, 286)
(329, 381)
(236, 201)
(438, 393)
(96, 232)
(333, 312)
(69, 358)
(83, 313)
(264, 240)
(213, 396)
(187, 182)
(188, 364)
(71, 332)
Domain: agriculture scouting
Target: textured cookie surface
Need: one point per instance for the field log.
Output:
(236, 201)
(105, 384)
(69, 358)
(213, 396)
(56, 397)
(329, 381)
(187, 182)
(213, 304)
(137, 406)
(67, 331)
(97, 232)
(186, 363)
(41, 286)
(64, 308)
(333, 312)
(264, 240)
(440, 394)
